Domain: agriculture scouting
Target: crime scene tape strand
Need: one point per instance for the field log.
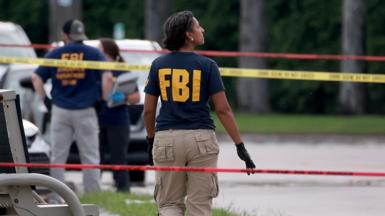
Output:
(217, 53)
(194, 169)
(232, 72)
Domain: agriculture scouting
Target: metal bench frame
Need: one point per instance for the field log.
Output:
(17, 196)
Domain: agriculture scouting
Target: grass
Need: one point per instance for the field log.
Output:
(132, 204)
(307, 124)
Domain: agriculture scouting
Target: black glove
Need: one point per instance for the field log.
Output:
(150, 142)
(244, 155)
(48, 103)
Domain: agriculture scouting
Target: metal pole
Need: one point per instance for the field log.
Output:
(29, 179)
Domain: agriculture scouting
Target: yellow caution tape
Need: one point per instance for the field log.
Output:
(303, 75)
(74, 64)
(232, 72)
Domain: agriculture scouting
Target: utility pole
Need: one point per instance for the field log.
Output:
(59, 12)
(156, 12)
(253, 94)
(352, 96)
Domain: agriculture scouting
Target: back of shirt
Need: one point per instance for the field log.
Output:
(184, 81)
(74, 88)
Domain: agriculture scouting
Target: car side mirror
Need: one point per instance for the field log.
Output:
(26, 83)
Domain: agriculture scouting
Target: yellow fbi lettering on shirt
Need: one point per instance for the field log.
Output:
(70, 76)
(178, 80)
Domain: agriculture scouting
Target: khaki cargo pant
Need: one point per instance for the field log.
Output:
(174, 191)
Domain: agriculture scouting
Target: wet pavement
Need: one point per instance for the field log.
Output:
(297, 195)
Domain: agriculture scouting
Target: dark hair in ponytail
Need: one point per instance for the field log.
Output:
(111, 49)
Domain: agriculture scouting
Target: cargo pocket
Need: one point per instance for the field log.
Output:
(164, 150)
(207, 143)
(214, 185)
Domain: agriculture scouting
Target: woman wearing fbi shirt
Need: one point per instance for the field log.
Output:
(184, 132)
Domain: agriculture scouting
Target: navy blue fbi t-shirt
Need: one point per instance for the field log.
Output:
(116, 115)
(184, 81)
(73, 88)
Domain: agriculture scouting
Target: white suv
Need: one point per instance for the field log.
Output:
(137, 151)
(15, 76)
(12, 74)
(131, 52)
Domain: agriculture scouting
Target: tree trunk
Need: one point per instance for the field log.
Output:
(61, 11)
(352, 95)
(156, 12)
(253, 95)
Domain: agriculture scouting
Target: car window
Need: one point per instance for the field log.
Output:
(12, 81)
(14, 51)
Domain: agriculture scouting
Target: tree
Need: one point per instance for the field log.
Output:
(351, 95)
(156, 12)
(253, 95)
(310, 26)
(36, 26)
(100, 17)
(221, 24)
(60, 11)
